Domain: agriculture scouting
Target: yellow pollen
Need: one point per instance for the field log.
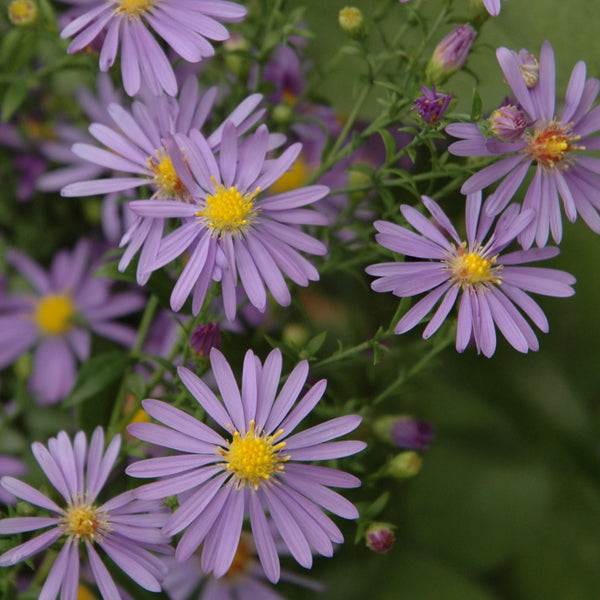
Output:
(134, 8)
(551, 145)
(296, 177)
(227, 210)
(82, 521)
(470, 268)
(53, 314)
(165, 178)
(254, 458)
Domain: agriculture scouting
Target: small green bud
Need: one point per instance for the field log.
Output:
(352, 22)
(22, 12)
(380, 537)
(404, 465)
(23, 366)
(283, 114)
(295, 335)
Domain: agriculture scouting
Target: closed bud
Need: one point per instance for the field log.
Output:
(404, 465)
(380, 537)
(22, 12)
(508, 123)
(295, 335)
(451, 53)
(412, 434)
(283, 113)
(352, 22)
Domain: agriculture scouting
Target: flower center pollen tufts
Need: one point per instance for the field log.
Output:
(53, 313)
(470, 268)
(82, 521)
(550, 146)
(134, 8)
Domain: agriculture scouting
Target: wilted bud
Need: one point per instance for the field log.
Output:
(403, 465)
(451, 53)
(412, 434)
(432, 105)
(204, 338)
(529, 67)
(380, 537)
(352, 22)
(508, 123)
(22, 12)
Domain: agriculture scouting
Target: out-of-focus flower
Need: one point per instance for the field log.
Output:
(492, 286)
(404, 465)
(204, 338)
(125, 528)
(54, 319)
(22, 12)
(451, 53)
(410, 433)
(352, 22)
(559, 148)
(184, 26)
(380, 537)
(432, 105)
(232, 230)
(257, 466)
(10, 466)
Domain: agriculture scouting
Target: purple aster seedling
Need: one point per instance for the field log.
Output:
(125, 528)
(558, 147)
(489, 287)
(252, 462)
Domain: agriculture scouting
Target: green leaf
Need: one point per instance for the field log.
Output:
(313, 345)
(389, 143)
(13, 98)
(97, 374)
(476, 106)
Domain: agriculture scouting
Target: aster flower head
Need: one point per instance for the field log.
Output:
(126, 529)
(432, 105)
(231, 229)
(508, 123)
(185, 27)
(451, 53)
(56, 317)
(489, 287)
(255, 463)
(556, 146)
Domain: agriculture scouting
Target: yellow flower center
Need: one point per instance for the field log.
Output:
(550, 146)
(134, 8)
(83, 521)
(22, 12)
(254, 458)
(228, 210)
(53, 314)
(296, 177)
(165, 178)
(470, 268)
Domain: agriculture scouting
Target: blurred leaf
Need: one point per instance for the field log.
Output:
(14, 96)
(476, 106)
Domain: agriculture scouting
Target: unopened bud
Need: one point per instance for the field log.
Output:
(451, 53)
(283, 113)
(352, 22)
(508, 123)
(413, 434)
(404, 465)
(22, 12)
(295, 334)
(380, 537)
(432, 105)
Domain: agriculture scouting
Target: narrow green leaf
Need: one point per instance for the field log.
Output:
(13, 98)
(476, 106)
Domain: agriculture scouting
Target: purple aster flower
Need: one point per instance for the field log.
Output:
(135, 147)
(492, 6)
(124, 527)
(557, 146)
(229, 229)
(257, 466)
(185, 26)
(244, 579)
(432, 105)
(414, 434)
(492, 287)
(451, 53)
(55, 318)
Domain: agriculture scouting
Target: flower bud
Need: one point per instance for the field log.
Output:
(508, 123)
(412, 434)
(404, 465)
(283, 113)
(432, 105)
(22, 12)
(352, 22)
(451, 53)
(380, 537)
(204, 338)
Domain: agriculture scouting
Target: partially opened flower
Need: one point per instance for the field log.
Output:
(126, 529)
(254, 464)
(185, 26)
(231, 229)
(492, 6)
(56, 317)
(489, 287)
(557, 146)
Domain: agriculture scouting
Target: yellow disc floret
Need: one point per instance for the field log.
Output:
(228, 210)
(551, 145)
(84, 521)
(471, 268)
(166, 179)
(134, 8)
(253, 458)
(53, 314)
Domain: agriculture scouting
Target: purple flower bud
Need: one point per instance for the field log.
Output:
(380, 537)
(204, 338)
(411, 433)
(508, 123)
(432, 105)
(451, 53)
